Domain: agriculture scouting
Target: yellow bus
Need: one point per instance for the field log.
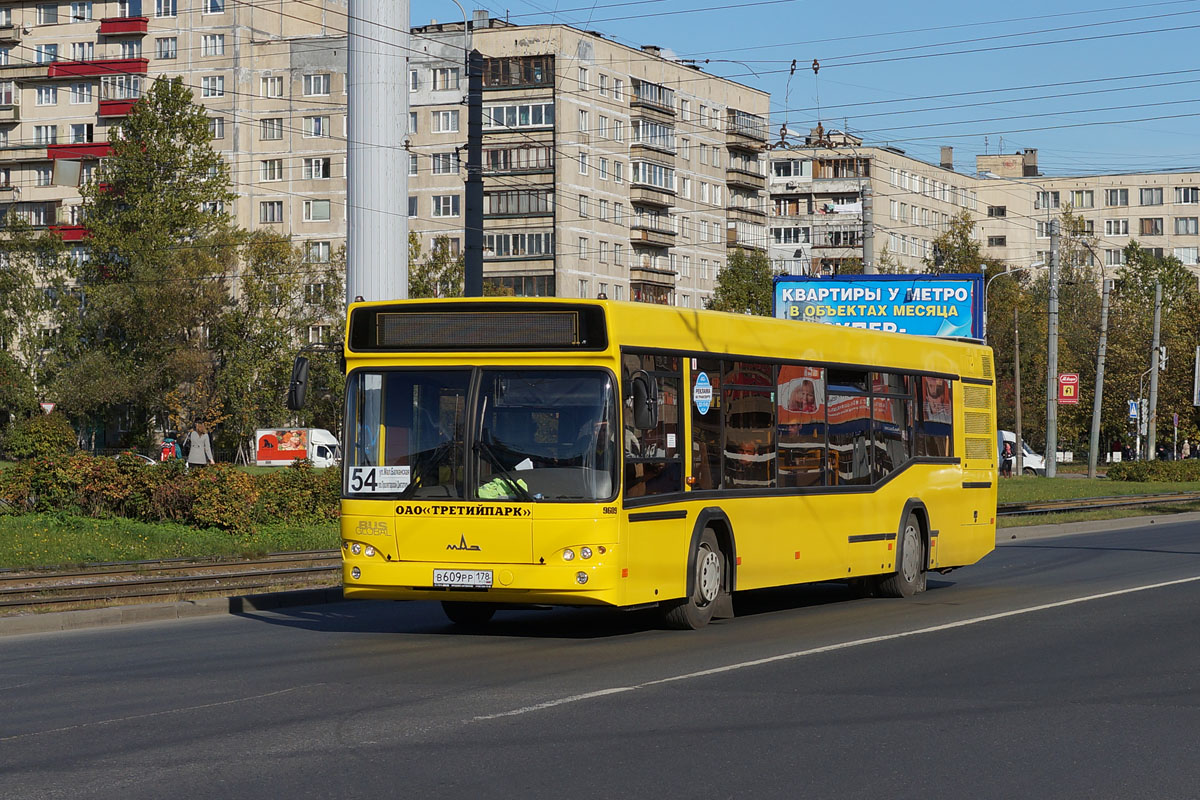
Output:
(505, 453)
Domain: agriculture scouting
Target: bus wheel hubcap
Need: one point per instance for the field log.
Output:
(710, 575)
(912, 554)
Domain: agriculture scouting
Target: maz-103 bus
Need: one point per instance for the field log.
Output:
(503, 452)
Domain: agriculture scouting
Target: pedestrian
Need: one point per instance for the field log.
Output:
(1186, 450)
(199, 447)
(1006, 460)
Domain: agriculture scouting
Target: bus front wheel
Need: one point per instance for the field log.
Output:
(468, 615)
(909, 577)
(709, 577)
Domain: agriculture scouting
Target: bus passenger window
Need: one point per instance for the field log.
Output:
(933, 437)
(706, 423)
(653, 460)
(800, 395)
(749, 426)
(849, 439)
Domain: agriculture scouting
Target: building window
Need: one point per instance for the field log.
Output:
(46, 53)
(445, 121)
(446, 205)
(603, 252)
(1187, 255)
(271, 169)
(313, 169)
(316, 252)
(1046, 200)
(583, 248)
(45, 134)
(81, 93)
(445, 78)
(1150, 197)
(213, 44)
(997, 241)
(318, 334)
(1150, 226)
(445, 163)
(413, 163)
(1186, 225)
(43, 176)
(47, 14)
(1187, 195)
(165, 8)
(212, 86)
(82, 133)
(216, 127)
(1116, 227)
(1114, 258)
(1082, 199)
(314, 294)
(414, 80)
(271, 86)
(583, 82)
(412, 206)
(1116, 197)
(525, 115)
(317, 85)
(270, 211)
(315, 127)
(47, 96)
(213, 6)
(603, 85)
(316, 210)
(166, 47)
(81, 12)
(83, 51)
(271, 128)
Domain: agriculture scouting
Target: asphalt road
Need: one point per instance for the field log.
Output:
(1058, 668)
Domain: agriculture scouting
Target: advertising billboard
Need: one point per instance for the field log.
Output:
(925, 305)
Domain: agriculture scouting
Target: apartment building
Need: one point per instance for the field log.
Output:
(271, 78)
(818, 190)
(608, 170)
(1160, 210)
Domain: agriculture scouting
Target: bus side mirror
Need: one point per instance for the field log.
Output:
(299, 385)
(645, 401)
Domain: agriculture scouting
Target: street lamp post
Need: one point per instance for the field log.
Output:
(1020, 447)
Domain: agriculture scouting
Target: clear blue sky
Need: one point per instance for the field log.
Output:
(1130, 67)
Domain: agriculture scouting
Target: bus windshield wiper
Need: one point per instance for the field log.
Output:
(431, 458)
(494, 460)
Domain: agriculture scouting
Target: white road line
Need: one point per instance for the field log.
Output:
(828, 649)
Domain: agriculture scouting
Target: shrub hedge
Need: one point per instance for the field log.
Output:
(38, 436)
(1158, 471)
(219, 496)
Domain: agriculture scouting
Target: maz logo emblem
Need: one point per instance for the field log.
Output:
(462, 545)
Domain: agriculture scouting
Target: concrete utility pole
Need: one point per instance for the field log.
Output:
(473, 233)
(376, 164)
(1020, 448)
(1151, 430)
(1052, 359)
(1094, 441)
(868, 217)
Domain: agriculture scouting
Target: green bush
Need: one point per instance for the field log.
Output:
(1157, 471)
(219, 496)
(39, 436)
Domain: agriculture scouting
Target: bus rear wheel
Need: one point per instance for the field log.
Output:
(909, 577)
(468, 615)
(709, 578)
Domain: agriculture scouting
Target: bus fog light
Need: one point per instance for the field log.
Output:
(581, 577)
(568, 554)
(356, 573)
(602, 549)
(585, 552)
(370, 551)
(356, 548)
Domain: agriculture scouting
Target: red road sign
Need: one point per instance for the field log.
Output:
(1068, 387)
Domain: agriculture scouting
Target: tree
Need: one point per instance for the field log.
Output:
(162, 254)
(33, 286)
(440, 274)
(956, 250)
(745, 286)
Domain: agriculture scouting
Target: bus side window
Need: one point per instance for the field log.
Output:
(653, 460)
(933, 437)
(705, 400)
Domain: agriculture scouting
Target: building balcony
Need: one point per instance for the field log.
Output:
(98, 66)
(70, 233)
(746, 214)
(648, 235)
(656, 151)
(745, 131)
(745, 179)
(10, 112)
(745, 240)
(115, 108)
(651, 196)
(123, 26)
(10, 34)
(659, 111)
(79, 150)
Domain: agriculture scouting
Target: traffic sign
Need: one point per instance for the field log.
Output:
(46, 407)
(1133, 414)
(1068, 388)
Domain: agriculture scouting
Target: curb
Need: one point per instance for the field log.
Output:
(58, 621)
(1018, 533)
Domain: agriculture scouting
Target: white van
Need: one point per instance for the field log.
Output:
(1031, 462)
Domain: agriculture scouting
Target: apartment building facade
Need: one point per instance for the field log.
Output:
(608, 170)
(271, 79)
(819, 196)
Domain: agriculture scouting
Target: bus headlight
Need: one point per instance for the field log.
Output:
(585, 552)
(356, 548)
(370, 551)
(581, 577)
(356, 573)
(568, 554)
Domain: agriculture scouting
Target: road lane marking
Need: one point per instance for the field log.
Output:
(829, 648)
(164, 712)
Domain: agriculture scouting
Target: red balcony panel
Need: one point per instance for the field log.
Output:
(70, 233)
(98, 66)
(81, 150)
(110, 26)
(115, 108)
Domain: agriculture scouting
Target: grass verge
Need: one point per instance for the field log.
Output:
(37, 540)
(1027, 520)
(1029, 490)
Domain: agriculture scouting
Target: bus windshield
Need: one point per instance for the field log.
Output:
(534, 435)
